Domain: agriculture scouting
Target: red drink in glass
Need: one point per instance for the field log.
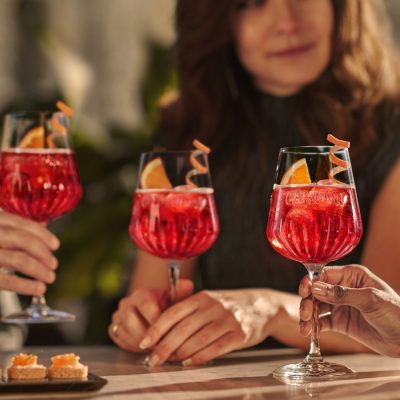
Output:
(174, 224)
(39, 184)
(314, 224)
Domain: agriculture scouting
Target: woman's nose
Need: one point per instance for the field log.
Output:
(286, 18)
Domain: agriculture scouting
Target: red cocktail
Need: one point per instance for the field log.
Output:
(314, 224)
(314, 218)
(39, 184)
(174, 215)
(174, 224)
(38, 181)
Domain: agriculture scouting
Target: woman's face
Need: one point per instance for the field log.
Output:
(283, 44)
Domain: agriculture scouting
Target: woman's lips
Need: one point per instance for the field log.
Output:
(293, 51)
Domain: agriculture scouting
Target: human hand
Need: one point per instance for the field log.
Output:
(354, 301)
(209, 324)
(26, 246)
(138, 311)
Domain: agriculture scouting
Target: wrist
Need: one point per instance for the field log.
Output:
(283, 324)
(274, 308)
(278, 323)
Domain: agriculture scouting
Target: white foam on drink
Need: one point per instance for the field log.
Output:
(153, 190)
(178, 189)
(19, 150)
(313, 185)
(189, 189)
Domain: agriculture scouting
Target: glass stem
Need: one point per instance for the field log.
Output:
(38, 307)
(38, 301)
(314, 355)
(173, 269)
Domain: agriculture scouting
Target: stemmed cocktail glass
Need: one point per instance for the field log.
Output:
(174, 215)
(314, 219)
(39, 181)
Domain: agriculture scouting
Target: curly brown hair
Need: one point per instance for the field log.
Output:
(217, 102)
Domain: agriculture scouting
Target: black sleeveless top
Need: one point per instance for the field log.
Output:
(241, 256)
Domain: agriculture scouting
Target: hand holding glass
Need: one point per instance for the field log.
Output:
(314, 223)
(38, 180)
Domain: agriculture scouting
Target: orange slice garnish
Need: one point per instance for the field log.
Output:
(297, 173)
(64, 360)
(154, 176)
(67, 110)
(24, 359)
(33, 139)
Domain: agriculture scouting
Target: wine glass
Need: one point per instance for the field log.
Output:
(314, 221)
(174, 215)
(38, 180)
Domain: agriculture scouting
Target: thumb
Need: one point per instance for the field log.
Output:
(363, 299)
(184, 289)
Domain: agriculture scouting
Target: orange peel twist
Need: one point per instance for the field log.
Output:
(198, 167)
(341, 165)
(60, 129)
(67, 110)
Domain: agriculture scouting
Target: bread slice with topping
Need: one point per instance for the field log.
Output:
(67, 366)
(25, 367)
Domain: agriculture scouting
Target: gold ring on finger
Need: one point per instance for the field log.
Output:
(114, 329)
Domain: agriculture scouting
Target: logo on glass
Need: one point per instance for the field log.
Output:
(311, 197)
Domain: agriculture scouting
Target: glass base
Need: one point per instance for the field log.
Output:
(38, 314)
(305, 372)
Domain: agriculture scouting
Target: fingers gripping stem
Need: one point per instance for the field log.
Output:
(314, 354)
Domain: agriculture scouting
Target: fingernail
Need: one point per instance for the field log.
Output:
(54, 263)
(187, 362)
(40, 287)
(55, 243)
(144, 344)
(303, 327)
(320, 288)
(153, 360)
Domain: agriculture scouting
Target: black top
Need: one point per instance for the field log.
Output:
(242, 256)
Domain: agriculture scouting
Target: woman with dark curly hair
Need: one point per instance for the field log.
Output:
(257, 75)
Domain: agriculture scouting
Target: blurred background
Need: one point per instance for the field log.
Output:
(111, 61)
